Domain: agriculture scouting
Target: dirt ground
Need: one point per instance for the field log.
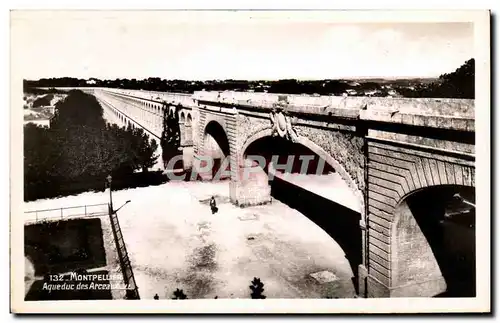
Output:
(174, 241)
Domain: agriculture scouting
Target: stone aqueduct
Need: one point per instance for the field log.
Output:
(385, 149)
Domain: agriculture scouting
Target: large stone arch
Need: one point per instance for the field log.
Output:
(267, 132)
(345, 228)
(214, 142)
(215, 124)
(205, 120)
(413, 256)
(394, 176)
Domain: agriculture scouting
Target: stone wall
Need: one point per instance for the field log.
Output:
(345, 147)
(249, 126)
(394, 239)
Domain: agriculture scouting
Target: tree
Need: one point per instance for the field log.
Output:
(460, 83)
(121, 157)
(78, 109)
(142, 148)
(179, 294)
(171, 135)
(43, 101)
(257, 288)
(41, 157)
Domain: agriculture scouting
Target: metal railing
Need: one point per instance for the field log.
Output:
(57, 214)
(125, 265)
(93, 210)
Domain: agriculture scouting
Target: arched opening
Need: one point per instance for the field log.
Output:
(306, 182)
(216, 148)
(182, 118)
(188, 132)
(434, 232)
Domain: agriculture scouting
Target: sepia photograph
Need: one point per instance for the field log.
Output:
(250, 161)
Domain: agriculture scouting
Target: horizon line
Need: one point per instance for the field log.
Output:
(240, 79)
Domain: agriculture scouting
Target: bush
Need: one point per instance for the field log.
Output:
(179, 294)
(257, 288)
(43, 101)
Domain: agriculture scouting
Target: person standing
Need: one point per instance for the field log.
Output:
(213, 205)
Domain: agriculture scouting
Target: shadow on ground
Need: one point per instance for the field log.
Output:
(34, 191)
(339, 222)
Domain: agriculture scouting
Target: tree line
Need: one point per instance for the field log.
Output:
(457, 84)
(291, 86)
(80, 149)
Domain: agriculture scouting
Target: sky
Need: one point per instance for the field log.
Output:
(156, 44)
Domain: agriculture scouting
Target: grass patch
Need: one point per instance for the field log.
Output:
(62, 247)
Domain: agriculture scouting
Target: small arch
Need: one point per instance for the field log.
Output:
(182, 118)
(216, 145)
(189, 120)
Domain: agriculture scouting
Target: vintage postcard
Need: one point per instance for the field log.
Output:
(250, 161)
